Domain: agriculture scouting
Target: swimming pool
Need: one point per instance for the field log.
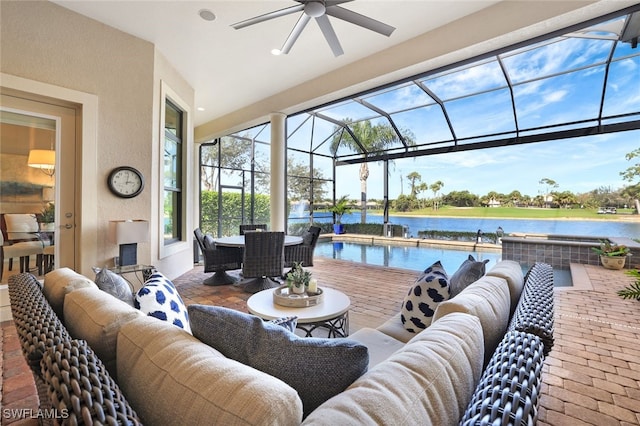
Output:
(417, 258)
(405, 257)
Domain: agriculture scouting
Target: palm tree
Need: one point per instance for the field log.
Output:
(435, 187)
(367, 139)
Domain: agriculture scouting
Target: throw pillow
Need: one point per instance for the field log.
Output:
(160, 299)
(469, 272)
(288, 323)
(316, 368)
(114, 284)
(424, 296)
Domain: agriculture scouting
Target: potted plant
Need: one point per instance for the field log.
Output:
(298, 279)
(48, 217)
(339, 208)
(612, 256)
(633, 290)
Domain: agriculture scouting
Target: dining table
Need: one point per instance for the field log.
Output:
(238, 240)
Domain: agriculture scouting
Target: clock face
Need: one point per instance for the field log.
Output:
(125, 182)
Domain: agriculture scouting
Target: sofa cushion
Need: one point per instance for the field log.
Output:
(487, 299)
(168, 374)
(393, 327)
(511, 271)
(428, 382)
(58, 283)
(95, 316)
(420, 303)
(317, 368)
(159, 298)
(113, 284)
(380, 345)
(469, 272)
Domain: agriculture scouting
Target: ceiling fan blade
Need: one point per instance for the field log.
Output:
(295, 33)
(361, 20)
(330, 35)
(329, 3)
(268, 16)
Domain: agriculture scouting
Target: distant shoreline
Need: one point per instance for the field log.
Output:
(609, 218)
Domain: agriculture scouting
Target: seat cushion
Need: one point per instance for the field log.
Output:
(428, 382)
(420, 303)
(159, 298)
(381, 346)
(317, 368)
(170, 377)
(393, 327)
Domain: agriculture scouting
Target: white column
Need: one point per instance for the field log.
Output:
(278, 162)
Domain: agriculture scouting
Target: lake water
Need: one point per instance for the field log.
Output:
(592, 228)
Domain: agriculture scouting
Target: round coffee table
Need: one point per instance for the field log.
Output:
(331, 314)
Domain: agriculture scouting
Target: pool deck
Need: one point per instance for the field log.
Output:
(591, 376)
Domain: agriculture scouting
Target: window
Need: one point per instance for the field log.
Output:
(172, 173)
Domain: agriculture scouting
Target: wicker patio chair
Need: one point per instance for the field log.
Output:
(303, 252)
(218, 260)
(263, 260)
(252, 227)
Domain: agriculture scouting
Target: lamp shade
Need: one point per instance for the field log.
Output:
(42, 159)
(128, 231)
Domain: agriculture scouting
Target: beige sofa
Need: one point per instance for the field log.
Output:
(170, 377)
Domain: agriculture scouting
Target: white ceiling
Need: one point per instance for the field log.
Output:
(231, 70)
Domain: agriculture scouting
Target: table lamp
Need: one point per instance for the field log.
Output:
(128, 233)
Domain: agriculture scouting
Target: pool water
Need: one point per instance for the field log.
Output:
(417, 258)
(405, 257)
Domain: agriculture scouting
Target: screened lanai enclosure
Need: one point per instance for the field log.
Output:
(578, 83)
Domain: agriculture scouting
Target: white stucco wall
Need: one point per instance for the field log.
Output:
(46, 43)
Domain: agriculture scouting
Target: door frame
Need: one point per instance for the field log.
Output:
(86, 238)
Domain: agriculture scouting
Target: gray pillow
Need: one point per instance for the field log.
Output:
(113, 284)
(316, 368)
(469, 272)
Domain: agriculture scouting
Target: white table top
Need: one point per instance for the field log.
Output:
(238, 241)
(334, 304)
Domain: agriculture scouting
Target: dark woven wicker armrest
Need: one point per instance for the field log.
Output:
(81, 389)
(535, 310)
(37, 324)
(507, 393)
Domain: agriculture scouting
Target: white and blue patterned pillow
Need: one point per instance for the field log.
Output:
(289, 323)
(160, 299)
(418, 307)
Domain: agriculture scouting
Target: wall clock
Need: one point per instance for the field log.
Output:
(125, 182)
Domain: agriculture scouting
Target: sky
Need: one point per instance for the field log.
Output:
(578, 165)
(553, 83)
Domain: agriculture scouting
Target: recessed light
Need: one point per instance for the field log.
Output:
(200, 108)
(276, 52)
(207, 15)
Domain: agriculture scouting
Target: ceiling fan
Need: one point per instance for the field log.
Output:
(319, 9)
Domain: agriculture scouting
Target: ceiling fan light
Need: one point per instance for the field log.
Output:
(314, 9)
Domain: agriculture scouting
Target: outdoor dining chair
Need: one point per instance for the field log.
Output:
(263, 260)
(303, 252)
(218, 260)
